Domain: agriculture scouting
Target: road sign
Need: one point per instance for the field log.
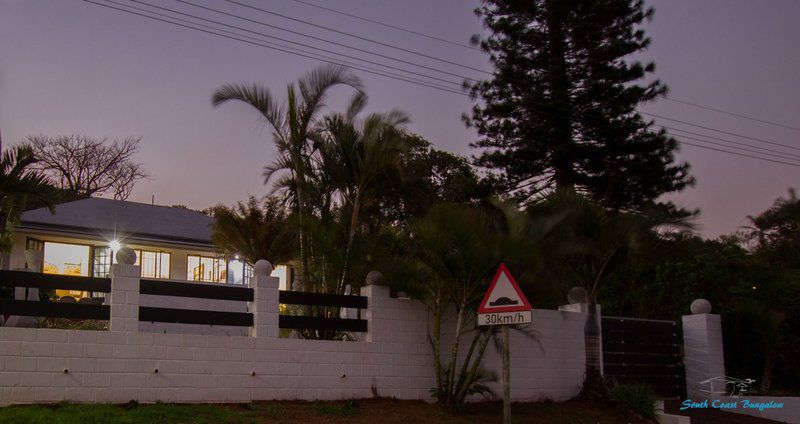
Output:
(504, 303)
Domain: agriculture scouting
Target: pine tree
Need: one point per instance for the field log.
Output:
(560, 111)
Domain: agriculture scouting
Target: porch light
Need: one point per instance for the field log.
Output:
(115, 245)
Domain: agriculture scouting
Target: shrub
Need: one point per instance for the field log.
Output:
(635, 397)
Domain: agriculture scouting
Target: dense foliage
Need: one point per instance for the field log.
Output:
(560, 110)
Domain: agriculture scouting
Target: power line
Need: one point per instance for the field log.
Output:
(276, 48)
(236, 38)
(738, 154)
(720, 131)
(384, 24)
(737, 148)
(437, 70)
(302, 44)
(360, 37)
(725, 140)
(317, 55)
(738, 115)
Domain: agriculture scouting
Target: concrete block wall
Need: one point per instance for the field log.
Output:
(394, 359)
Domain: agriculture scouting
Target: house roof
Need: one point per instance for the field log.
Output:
(120, 219)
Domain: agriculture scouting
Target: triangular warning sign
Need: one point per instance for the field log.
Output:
(504, 294)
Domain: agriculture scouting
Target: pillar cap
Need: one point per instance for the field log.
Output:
(262, 267)
(700, 306)
(126, 256)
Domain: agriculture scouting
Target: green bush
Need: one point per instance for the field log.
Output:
(635, 397)
(348, 409)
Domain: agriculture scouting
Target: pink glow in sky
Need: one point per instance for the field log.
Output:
(72, 67)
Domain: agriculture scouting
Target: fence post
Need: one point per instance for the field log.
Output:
(265, 306)
(703, 353)
(124, 296)
(378, 295)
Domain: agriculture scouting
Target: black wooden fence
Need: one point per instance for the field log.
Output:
(317, 302)
(322, 323)
(647, 352)
(197, 291)
(36, 308)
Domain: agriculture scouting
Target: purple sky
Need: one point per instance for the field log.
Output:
(72, 67)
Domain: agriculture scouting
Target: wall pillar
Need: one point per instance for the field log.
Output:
(124, 297)
(265, 306)
(703, 356)
(378, 296)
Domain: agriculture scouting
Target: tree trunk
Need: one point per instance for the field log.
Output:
(560, 101)
(351, 235)
(766, 376)
(593, 385)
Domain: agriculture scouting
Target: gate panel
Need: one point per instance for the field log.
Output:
(643, 351)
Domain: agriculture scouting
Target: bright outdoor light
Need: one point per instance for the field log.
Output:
(114, 245)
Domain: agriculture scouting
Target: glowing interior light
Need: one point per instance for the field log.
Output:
(114, 245)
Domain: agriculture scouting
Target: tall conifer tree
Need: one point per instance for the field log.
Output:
(560, 111)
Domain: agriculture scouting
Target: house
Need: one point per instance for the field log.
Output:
(81, 237)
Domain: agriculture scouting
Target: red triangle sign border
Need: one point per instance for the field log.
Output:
(526, 306)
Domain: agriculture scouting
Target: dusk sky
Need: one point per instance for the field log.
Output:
(71, 67)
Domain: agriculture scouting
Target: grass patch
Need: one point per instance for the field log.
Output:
(348, 409)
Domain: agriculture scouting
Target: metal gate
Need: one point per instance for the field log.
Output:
(645, 351)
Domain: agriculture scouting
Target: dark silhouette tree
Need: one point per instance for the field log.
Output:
(560, 110)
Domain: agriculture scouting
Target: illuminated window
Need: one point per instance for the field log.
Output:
(206, 269)
(101, 263)
(154, 264)
(66, 259)
(239, 272)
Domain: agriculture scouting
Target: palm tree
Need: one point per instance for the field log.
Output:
(18, 184)
(593, 243)
(293, 126)
(254, 231)
(354, 155)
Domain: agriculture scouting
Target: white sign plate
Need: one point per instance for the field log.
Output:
(505, 318)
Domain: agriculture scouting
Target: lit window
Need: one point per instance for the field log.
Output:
(206, 269)
(239, 272)
(154, 264)
(66, 259)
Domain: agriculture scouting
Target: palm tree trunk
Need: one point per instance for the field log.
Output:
(351, 236)
(593, 386)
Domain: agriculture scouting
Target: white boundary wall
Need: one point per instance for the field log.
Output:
(395, 358)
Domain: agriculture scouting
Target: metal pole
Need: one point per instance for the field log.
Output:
(506, 376)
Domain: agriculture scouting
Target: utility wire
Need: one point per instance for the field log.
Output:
(719, 131)
(236, 38)
(467, 78)
(317, 55)
(738, 115)
(725, 140)
(384, 24)
(275, 48)
(360, 37)
(298, 43)
(669, 98)
(738, 154)
(737, 148)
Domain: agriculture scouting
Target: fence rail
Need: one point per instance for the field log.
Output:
(297, 322)
(195, 290)
(54, 281)
(188, 316)
(54, 309)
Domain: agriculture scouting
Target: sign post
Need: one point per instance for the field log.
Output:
(504, 304)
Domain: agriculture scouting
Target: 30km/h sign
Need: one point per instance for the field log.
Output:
(504, 303)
